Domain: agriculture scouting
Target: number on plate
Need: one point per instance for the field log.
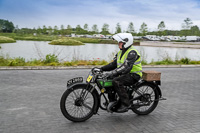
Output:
(74, 80)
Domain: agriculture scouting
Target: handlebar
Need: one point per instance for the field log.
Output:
(96, 71)
(99, 73)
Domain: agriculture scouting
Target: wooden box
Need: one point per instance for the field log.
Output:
(151, 75)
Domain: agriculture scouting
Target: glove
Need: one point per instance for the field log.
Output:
(111, 74)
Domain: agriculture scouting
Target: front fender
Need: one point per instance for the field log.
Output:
(94, 91)
(77, 85)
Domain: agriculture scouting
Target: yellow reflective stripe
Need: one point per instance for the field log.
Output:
(137, 71)
(118, 55)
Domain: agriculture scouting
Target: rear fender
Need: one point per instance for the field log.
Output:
(157, 83)
(154, 83)
(94, 91)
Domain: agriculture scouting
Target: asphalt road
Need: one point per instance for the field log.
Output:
(29, 103)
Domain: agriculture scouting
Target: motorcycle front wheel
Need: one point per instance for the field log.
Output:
(146, 99)
(77, 104)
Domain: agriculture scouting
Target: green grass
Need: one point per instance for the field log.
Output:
(36, 38)
(66, 41)
(52, 60)
(54, 37)
(30, 37)
(169, 61)
(84, 63)
(4, 39)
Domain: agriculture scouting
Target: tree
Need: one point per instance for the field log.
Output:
(143, 29)
(39, 30)
(62, 29)
(34, 30)
(15, 30)
(95, 28)
(55, 30)
(187, 24)
(118, 28)
(44, 30)
(195, 30)
(105, 29)
(85, 27)
(161, 28)
(130, 28)
(69, 27)
(49, 30)
(78, 29)
(6, 26)
(69, 30)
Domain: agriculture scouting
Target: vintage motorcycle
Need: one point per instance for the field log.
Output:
(81, 100)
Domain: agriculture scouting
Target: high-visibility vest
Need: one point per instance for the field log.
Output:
(137, 66)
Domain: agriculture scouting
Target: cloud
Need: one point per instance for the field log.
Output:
(34, 13)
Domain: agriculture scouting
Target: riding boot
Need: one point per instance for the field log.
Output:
(111, 96)
(119, 88)
(122, 108)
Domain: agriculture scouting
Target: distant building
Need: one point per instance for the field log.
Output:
(192, 38)
(98, 36)
(73, 35)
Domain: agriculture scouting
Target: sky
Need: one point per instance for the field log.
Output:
(34, 13)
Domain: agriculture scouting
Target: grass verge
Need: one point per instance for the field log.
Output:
(52, 60)
(169, 61)
(66, 41)
(54, 37)
(4, 39)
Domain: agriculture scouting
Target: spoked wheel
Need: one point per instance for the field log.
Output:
(103, 102)
(78, 104)
(146, 99)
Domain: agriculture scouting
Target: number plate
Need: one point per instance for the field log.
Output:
(74, 80)
(89, 78)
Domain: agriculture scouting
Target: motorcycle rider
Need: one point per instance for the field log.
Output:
(125, 69)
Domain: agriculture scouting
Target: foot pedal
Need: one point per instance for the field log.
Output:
(162, 98)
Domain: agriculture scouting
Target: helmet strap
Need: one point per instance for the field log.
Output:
(123, 46)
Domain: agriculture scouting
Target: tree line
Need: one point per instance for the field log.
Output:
(187, 29)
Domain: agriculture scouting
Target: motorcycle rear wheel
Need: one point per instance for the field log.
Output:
(74, 107)
(148, 99)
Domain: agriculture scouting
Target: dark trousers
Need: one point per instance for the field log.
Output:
(120, 82)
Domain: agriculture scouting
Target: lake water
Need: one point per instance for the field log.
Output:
(39, 49)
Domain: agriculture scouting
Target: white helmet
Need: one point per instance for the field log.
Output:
(126, 38)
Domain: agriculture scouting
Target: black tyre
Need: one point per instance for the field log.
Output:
(76, 108)
(147, 99)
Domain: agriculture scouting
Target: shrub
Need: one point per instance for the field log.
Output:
(50, 58)
(185, 60)
(144, 62)
(34, 62)
(19, 61)
(67, 63)
(3, 61)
